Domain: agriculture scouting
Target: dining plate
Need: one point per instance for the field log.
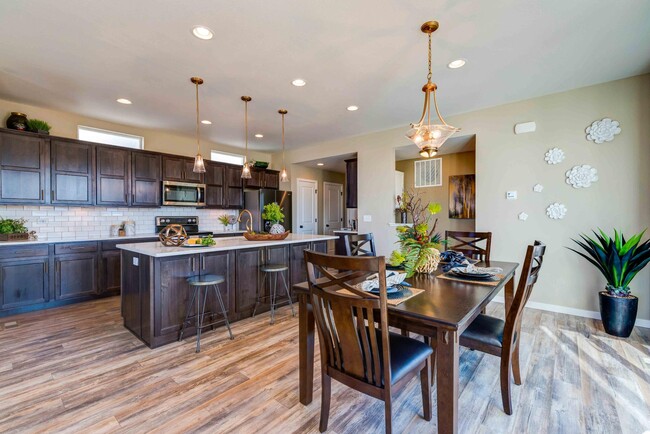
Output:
(475, 276)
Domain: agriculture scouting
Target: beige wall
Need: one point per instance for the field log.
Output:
(65, 124)
(505, 161)
(461, 163)
(303, 172)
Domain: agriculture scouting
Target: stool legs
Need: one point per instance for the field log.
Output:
(200, 313)
(199, 318)
(286, 288)
(258, 296)
(187, 314)
(223, 310)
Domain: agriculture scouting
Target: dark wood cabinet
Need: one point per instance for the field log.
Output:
(179, 169)
(256, 180)
(233, 188)
(72, 172)
(247, 278)
(351, 183)
(145, 179)
(297, 262)
(75, 275)
(222, 264)
(112, 176)
(214, 178)
(23, 165)
(109, 272)
(24, 282)
(175, 293)
(272, 179)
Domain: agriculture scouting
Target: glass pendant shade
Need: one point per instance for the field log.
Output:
(284, 176)
(246, 171)
(427, 137)
(199, 165)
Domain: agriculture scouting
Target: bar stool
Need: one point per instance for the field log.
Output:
(198, 283)
(273, 270)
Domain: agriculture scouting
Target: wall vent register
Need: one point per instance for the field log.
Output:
(428, 173)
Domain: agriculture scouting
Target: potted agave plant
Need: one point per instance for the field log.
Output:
(418, 252)
(619, 260)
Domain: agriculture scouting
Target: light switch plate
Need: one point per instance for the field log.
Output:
(136, 261)
(367, 218)
(511, 195)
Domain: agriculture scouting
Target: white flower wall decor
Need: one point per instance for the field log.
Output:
(538, 188)
(603, 130)
(556, 211)
(523, 216)
(581, 176)
(554, 156)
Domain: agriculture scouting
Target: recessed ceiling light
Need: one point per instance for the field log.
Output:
(353, 108)
(458, 63)
(259, 136)
(320, 164)
(202, 32)
(206, 122)
(124, 101)
(299, 82)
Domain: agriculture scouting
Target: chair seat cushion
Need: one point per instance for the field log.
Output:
(405, 354)
(485, 329)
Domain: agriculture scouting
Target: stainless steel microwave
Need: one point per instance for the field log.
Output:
(183, 193)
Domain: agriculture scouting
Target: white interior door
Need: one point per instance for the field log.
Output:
(332, 207)
(307, 207)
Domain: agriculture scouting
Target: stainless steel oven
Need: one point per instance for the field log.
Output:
(183, 193)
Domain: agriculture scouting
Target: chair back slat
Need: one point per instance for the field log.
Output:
(359, 245)
(350, 336)
(529, 274)
(468, 244)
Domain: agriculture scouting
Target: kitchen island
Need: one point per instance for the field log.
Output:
(155, 292)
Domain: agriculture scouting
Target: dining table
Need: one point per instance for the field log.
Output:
(440, 313)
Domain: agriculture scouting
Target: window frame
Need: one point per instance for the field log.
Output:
(111, 132)
(228, 154)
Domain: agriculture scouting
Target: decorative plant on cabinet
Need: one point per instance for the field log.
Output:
(619, 260)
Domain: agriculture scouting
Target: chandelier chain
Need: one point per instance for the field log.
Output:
(246, 130)
(429, 74)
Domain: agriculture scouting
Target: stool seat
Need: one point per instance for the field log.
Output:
(273, 268)
(206, 280)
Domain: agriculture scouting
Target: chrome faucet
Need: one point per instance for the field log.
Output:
(249, 223)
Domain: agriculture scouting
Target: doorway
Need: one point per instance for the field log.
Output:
(307, 207)
(332, 207)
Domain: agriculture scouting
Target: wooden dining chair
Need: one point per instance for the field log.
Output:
(356, 347)
(501, 338)
(360, 245)
(467, 243)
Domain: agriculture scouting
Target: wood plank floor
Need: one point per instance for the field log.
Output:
(76, 369)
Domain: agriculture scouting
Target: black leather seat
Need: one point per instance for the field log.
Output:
(405, 354)
(486, 330)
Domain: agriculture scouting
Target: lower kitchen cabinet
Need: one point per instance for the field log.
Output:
(174, 293)
(75, 275)
(24, 282)
(247, 278)
(109, 272)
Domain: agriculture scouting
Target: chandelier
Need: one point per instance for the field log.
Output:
(430, 137)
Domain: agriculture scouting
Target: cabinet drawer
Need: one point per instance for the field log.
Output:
(111, 245)
(65, 248)
(23, 251)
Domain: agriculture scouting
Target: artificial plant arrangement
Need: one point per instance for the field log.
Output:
(418, 252)
(619, 261)
(38, 126)
(14, 230)
(224, 219)
(273, 214)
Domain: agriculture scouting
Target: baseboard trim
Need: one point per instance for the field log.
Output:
(571, 311)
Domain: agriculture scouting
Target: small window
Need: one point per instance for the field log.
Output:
(428, 173)
(107, 137)
(225, 157)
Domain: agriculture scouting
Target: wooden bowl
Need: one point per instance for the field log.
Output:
(251, 236)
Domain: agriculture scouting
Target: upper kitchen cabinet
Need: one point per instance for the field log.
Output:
(233, 188)
(214, 179)
(256, 180)
(145, 179)
(351, 183)
(179, 169)
(71, 172)
(272, 179)
(23, 163)
(112, 176)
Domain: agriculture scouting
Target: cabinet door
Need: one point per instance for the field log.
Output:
(175, 293)
(112, 176)
(72, 172)
(110, 272)
(76, 275)
(179, 169)
(24, 282)
(297, 262)
(22, 169)
(248, 264)
(256, 180)
(188, 171)
(214, 173)
(276, 255)
(272, 179)
(222, 264)
(214, 180)
(145, 179)
(351, 183)
(233, 190)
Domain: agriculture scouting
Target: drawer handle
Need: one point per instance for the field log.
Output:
(26, 251)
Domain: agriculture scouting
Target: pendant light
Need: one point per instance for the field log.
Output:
(199, 165)
(430, 137)
(246, 171)
(284, 176)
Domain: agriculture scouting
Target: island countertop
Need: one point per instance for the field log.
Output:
(157, 250)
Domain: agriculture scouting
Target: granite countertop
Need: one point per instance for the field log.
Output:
(156, 249)
(107, 238)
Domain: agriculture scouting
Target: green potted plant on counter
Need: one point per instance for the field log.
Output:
(273, 215)
(619, 260)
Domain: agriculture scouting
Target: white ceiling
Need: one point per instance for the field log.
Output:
(335, 163)
(80, 56)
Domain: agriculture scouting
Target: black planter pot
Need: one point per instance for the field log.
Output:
(17, 121)
(618, 314)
